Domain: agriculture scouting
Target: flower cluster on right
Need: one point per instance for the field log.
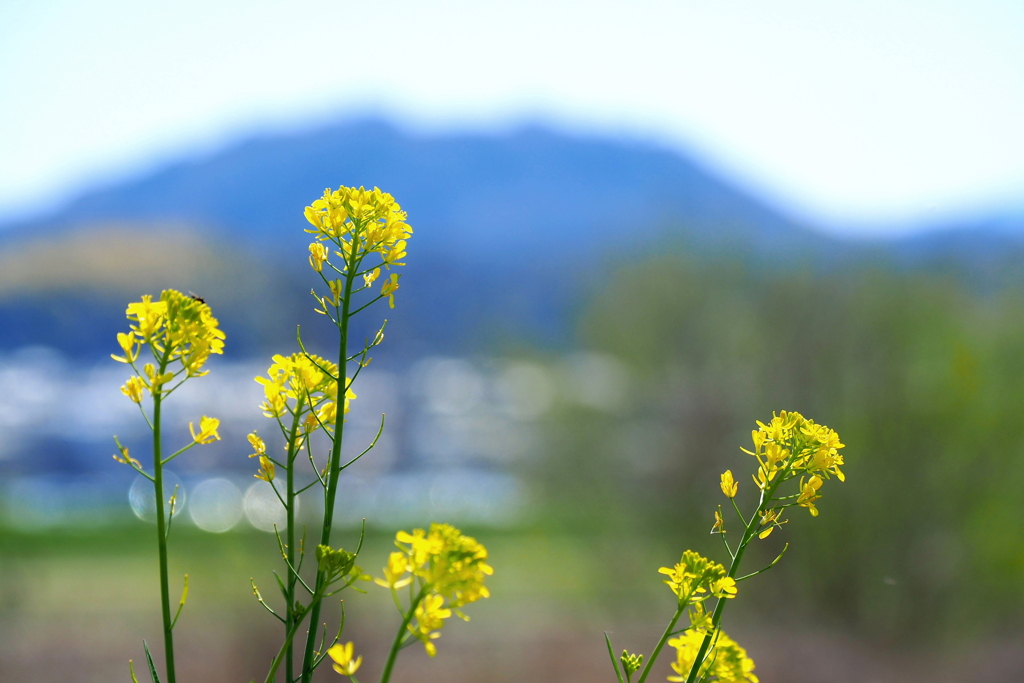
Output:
(789, 447)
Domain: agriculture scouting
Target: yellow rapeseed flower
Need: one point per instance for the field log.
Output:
(130, 345)
(155, 381)
(207, 430)
(317, 256)
(150, 316)
(329, 412)
(266, 471)
(724, 587)
(809, 494)
(371, 277)
(336, 287)
(343, 661)
(729, 485)
(388, 289)
(770, 520)
(430, 615)
(726, 662)
(701, 620)
(397, 251)
(719, 526)
(395, 572)
(133, 388)
(257, 444)
(794, 445)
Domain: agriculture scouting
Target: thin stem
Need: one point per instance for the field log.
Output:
(728, 549)
(368, 304)
(385, 675)
(178, 452)
(664, 638)
(161, 532)
(372, 443)
(290, 616)
(748, 535)
(276, 663)
(737, 509)
(764, 569)
(259, 598)
(337, 637)
(335, 464)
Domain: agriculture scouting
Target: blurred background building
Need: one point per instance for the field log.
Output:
(638, 228)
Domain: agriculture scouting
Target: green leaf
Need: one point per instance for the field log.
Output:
(152, 668)
(615, 662)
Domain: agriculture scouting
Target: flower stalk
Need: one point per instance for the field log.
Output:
(790, 446)
(180, 333)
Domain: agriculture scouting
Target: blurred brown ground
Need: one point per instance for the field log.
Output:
(77, 611)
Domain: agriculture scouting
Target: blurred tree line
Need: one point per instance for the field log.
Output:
(920, 371)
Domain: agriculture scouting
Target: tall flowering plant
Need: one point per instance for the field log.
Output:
(794, 457)
(360, 239)
(171, 338)
(301, 397)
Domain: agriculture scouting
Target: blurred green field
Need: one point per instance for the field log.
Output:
(920, 370)
(76, 606)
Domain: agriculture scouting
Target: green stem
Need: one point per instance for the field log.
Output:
(385, 675)
(290, 620)
(664, 639)
(335, 464)
(161, 535)
(748, 535)
(285, 646)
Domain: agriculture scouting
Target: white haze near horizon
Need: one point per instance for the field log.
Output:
(861, 117)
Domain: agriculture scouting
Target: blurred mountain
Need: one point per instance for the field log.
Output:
(510, 229)
(508, 198)
(506, 227)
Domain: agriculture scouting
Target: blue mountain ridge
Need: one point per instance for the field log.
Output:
(512, 197)
(509, 228)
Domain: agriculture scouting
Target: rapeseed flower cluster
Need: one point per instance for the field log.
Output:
(177, 328)
(631, 663)
(446, 570)
(303, 382)
(369, 220)
(789, 447)
(792, 445)
(181, 335)
(726, 662)
(357, 222)
(694, 576)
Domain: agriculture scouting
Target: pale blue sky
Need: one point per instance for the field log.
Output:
(849, 113)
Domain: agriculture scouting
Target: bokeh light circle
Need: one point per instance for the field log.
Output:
(216, 505)
(263, 509)
(143, 500)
